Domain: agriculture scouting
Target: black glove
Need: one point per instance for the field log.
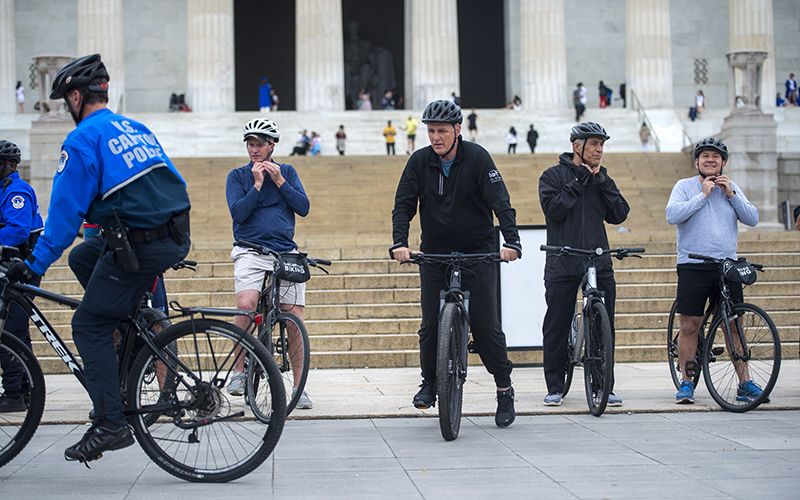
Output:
(20, 271)
(583, 174)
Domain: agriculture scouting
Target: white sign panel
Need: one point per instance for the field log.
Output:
(522, 305)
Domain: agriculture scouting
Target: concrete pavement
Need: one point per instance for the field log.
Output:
(649, 448)
(387, 392)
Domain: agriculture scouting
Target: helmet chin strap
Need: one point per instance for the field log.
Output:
(454, 143)
(77, 117)
(704, 176)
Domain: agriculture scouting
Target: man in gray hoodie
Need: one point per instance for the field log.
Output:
(706, 209)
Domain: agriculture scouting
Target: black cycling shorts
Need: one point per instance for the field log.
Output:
(695, 286)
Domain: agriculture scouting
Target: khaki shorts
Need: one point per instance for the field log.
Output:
(249, 269)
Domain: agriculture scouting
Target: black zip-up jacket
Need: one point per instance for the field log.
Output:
(574, 214)
(455, 211)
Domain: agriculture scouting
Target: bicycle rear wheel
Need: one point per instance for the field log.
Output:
(573, 338)
(598, 358)
(762, 349)
(287, 339)
(17, 428)
(207, 437)
(673, 331)
(449, 368)
(165, 378)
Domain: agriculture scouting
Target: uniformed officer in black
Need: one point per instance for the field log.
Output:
(112, 172)
(20, 225)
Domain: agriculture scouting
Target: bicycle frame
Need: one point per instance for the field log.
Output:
(461, 299)
(590, 294)
(19, 293)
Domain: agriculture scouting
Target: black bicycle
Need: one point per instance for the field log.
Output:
(591, 330)
(453, 342)
(283, 333)
(183, 420)
(740, 344)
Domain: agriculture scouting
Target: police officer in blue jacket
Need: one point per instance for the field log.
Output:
(20, 225)
(113, 172)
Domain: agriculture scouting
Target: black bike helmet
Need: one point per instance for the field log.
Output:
(80, 73)
(588, 129)
(442, 111)
(9, 152)
(714, 144)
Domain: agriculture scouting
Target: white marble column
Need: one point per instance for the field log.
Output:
(649, 52)
(751, 28)
(100, 31)
(210, 65)
(434, 51)
(320, 55)
(543, 54)
(8, 59)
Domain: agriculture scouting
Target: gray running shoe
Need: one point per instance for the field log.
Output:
(304, 403)
(553, 399)
(236, 384)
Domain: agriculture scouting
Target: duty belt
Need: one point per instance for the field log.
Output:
(147, 235)
(177, 227)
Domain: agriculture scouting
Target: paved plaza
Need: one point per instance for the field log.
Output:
(649, 448)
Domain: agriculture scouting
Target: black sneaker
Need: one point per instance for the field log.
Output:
(426, 397)
(505, 408)
(97, 440)
(9, 404)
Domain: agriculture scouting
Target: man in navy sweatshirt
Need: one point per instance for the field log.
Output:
(263, 198)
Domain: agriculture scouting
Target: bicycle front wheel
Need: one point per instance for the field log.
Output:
(726, 364)
(18, 427)
(673, 331)
(207, 435)
(598, 358)
(287, 339)
(449, 377)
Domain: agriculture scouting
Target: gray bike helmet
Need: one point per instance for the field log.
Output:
(9, 152)
(262, 129)
(442, 111)
(713, 144)
(80, 73)
(588, 129)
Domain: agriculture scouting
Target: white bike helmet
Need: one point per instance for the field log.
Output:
(262, 129)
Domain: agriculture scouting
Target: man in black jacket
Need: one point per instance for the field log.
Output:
(576, 195)
(458, 189)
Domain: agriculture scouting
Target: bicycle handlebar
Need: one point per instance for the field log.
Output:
(619, 253)
(423, 258)
(713, 260)
(312, 261)
(184, 264)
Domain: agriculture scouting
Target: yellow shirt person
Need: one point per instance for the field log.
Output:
(389, 132)
(411, 133)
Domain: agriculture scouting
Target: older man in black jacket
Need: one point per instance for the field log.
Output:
(576, 195)
(458, 189)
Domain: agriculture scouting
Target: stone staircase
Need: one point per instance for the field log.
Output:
(366, 312)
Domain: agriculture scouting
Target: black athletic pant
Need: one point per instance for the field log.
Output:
(487, 335)
(560, 297)
(110, 296)
(389, 147)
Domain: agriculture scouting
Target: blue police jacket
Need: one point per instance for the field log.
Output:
(19, 211)
(108, 163)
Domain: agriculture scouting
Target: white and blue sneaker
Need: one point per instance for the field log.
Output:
(685, 393)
